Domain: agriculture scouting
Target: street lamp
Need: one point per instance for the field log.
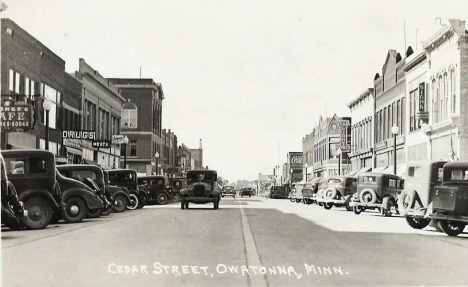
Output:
(339, 160)
(395, 131)
(156, 155)
(125, 142)
(47, 105)
(306, 171)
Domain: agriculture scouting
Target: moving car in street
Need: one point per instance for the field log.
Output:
(377, 191)
(246, 191)
(229, 190)
(201, 188)
(32, 173)
(450, 201)
(339, 191)
(12, 209)
(416, 198)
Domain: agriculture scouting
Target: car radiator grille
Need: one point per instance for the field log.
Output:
(199, 190)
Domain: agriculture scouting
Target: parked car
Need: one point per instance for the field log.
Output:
(78, 198)
(415, 199)
(177, 183)
(310, 189)
(321, 186)
(377, 191)
(87, 173)
(339, 191)
(128, 178)
(201, 188)
(279, 192)
(296, 188)
(246, 191)
(122, 198)
(158, 190)
(450, 201)
(32, 173)
(229, 190)
(12, 209)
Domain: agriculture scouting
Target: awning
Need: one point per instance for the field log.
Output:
(379, 169)
(74, 150)
(364, 169)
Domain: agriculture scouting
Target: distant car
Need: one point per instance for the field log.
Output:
(228, 190)
(310, 189)
(201, 188)
(177, 183)
(246, 192)
(278, 192)
(158, 189)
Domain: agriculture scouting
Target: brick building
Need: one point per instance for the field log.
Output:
(362, 131)
(390, 107)
(31, 72)
(141, 122)
(197, 157)
(101, 112)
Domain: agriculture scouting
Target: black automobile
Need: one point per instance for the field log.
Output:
(12, 209)
(158, 190)
(202, 187)
(122, 198)
(127, 178)
(87, 173)
(247, 191)
(32, 173)
(177, 183)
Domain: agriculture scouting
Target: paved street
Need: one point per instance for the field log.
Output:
(247, 242)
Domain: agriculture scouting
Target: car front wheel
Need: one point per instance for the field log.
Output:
(133, 204)
(121, 203)
(417, 223)
(452, 228)
(75, 210)
(39, 213)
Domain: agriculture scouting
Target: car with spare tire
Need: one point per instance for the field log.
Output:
(338, 191)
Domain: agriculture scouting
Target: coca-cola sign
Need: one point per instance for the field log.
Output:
(295, 159)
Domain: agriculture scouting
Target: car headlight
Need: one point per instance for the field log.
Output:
(190, 187)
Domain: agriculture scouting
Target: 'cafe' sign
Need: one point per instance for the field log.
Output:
(15, 117)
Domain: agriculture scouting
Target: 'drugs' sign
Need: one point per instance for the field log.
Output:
(79, 135)
(15, 117)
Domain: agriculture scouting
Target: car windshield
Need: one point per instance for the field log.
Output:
(229, 187)
(201, 177)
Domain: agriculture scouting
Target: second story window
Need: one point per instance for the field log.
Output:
(129, 115)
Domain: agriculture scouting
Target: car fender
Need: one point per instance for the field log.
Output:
(92, 200)
(120, 192)
(25, 194)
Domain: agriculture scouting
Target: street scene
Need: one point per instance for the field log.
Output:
(248, 242)
(286, 143)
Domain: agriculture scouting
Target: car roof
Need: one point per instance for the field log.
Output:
(379, 174)
(27, 152)
(150, 176)
(210, 171)
(453, 164)
(120, 170)
(78, 167)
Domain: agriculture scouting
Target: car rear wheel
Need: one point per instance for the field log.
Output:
(39, 213)
(121, 203)
(452, 228)
(347, 202)
(95, 213)
(327, 205)
(75, 210)
(187, 205)
(107, 211)
(417, 223)
(163, 198)
(133, 204)
(182, 205)
(141, 201)
(215, 205)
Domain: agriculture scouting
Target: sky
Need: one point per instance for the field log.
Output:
(249, 78)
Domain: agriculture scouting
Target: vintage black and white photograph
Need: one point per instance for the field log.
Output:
(234, 143)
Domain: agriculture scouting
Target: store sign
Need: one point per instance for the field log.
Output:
(117, 139)
(422, 96)
(101, 144)
(295, 159)
(72, 143)
(15, 117)
(79, 135)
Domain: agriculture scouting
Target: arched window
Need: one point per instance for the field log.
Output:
(129, 115)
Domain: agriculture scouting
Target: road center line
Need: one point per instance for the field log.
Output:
(251, 253)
